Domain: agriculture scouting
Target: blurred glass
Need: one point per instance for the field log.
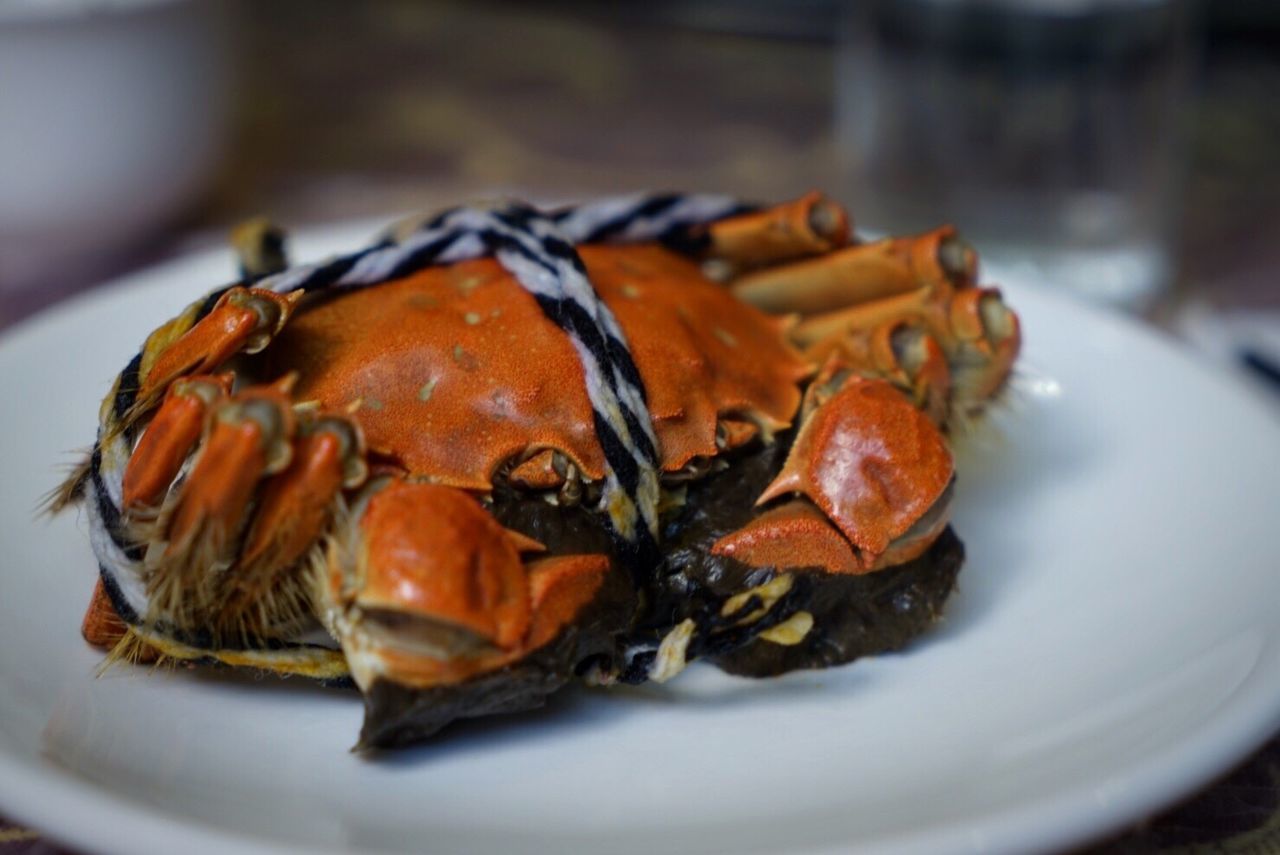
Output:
(112, 116)
(1052, 133)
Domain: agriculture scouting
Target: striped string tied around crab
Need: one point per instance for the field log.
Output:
(538, 249)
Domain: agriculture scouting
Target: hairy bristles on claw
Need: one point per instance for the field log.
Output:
(270, 600)
(184, 581)
(334, 552)
(982, 429)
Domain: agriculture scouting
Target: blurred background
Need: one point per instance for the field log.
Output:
(1125, 152)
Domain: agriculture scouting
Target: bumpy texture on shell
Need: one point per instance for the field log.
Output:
(465, 372)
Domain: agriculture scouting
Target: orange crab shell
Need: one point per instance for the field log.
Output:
(455, 370)
(433, 566)
(872, 462)
(455, 562)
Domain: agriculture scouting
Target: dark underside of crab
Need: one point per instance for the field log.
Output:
(854, 615)
(505, 450)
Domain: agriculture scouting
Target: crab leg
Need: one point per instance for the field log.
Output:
(293, 511)
(809, 225)
(224, 568)
(986, 339)
(901, 352)
(170, 438)
(248, 438)
(858, 274)
(903, 309)
(244, 320)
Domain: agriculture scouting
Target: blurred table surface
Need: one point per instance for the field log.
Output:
(425, 117)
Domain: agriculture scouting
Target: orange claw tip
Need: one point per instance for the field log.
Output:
(990, 337)
(965, 316)
(789, 536)
(559, 588)
(872, 462)
(432, 552)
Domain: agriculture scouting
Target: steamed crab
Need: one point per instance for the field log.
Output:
(502, 448)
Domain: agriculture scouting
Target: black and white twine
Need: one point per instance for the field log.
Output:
(538, 249)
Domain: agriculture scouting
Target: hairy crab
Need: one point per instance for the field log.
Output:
(501, 449)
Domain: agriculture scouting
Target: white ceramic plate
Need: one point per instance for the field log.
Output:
(1115, 643)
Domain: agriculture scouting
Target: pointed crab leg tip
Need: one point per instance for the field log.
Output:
(523, 543)
(286, 383)
(788, 481)
(792, 535)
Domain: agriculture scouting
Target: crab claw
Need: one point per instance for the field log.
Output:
(438, 567)
(243, 320)
(875, 466)
(429, 597)
(440, 618)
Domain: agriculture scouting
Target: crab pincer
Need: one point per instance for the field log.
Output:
(441, 616)
(875, 466)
